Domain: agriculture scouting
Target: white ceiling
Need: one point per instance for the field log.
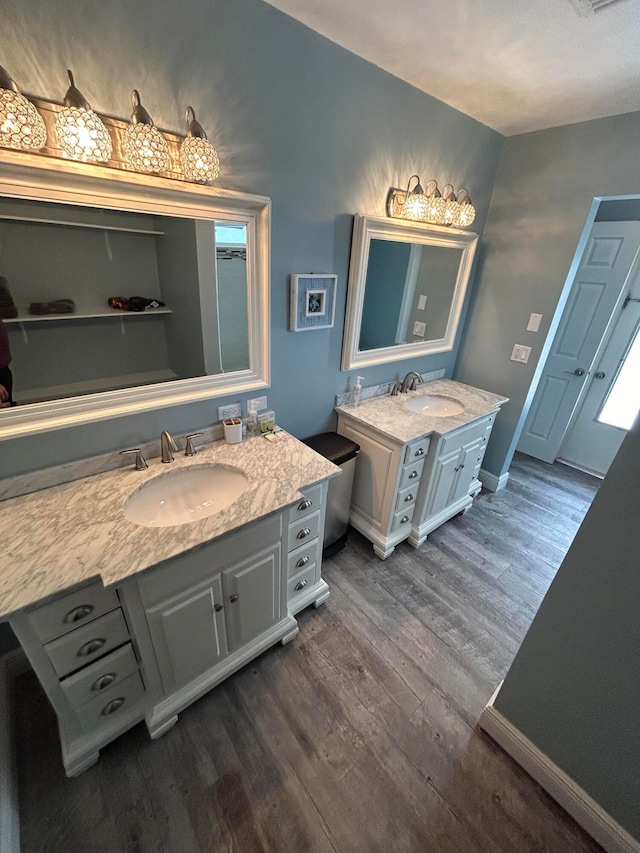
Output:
(513, 65)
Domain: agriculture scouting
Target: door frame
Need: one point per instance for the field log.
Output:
(558, 314)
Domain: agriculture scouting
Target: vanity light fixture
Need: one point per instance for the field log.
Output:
(431, 205)
(198, 157)
(81, 132)
(144, 146)
(21, 125)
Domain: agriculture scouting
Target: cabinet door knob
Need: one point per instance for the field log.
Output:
(104, 681)
(78, 613)
(301, 584)
(413, 475)
(419, 452)
(112, 707)
(304, 533)
(233, 598)
(305, 504)
(457, 468)
(302, 561)
(218, 608)
(408, 499)
(404, 519)
(91, 647)
(462, 466)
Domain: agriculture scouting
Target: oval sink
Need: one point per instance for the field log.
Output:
(186, 495)
(435, 405)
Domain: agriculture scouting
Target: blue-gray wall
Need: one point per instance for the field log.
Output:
(544, 190)
(573, 688)
(296, 118)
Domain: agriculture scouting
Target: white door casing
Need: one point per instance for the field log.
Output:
(598, 289)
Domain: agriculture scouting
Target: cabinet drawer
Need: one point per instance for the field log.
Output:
(93, 680)
(300, 583)
(117, 701)
(478, 429)
(301, 557)
(406, 497)
(309, 504)
(88, 643)
(416, 450)
(68, 612)
(303, 530)
(411, 474)
(402, 519)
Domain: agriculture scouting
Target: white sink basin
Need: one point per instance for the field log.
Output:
(435, 405)
(189, 494)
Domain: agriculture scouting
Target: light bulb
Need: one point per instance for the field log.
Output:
(21, 125)
(81, 132)
(144, 146)
(198, 158)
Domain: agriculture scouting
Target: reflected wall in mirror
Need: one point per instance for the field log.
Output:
(406, 288)
(199, 255)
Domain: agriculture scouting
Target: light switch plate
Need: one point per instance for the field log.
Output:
(258, 403)
(422, 302)
(534, 323)
(419, 329)
(231, 410)
(520, 353)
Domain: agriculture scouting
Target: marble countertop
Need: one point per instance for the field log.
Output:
(388, 416)
(61, 536)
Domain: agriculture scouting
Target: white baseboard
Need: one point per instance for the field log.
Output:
(11, 665)
(573, 799)
(491, 482)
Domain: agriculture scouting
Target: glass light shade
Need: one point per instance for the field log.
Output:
(82, 135)
(466, 214)
(145, 148)
(199, 159)
(415, 206)
(21, 125)
(451, 209)
(436, 210)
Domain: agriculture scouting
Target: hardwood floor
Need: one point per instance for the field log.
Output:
(359, 735)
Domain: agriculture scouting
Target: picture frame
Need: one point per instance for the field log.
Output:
(312, 301)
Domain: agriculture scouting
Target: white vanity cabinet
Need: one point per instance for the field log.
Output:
(386, 484)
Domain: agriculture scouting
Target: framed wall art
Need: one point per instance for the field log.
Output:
(312, 301)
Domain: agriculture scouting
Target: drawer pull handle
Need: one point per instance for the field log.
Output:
(113, 706)
(305, 504)
(218, 608)
(419, 452)
(408, 499)
(78, 613)
(302, 561)
(413, 475)
(301, 584)
(91, 647)
(404, 519)
(304, 533)
(104, 681)
(233, 598)
(484, 437)
(479, 458)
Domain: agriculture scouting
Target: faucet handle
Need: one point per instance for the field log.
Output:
(141, 462)
(190, 449)
(396, 387)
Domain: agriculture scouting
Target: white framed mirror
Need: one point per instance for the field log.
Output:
(72, 231)
(407, 283)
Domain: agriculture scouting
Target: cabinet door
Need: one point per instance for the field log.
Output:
(188, 633)
(445, 473)
(466, 469)
(252, 596)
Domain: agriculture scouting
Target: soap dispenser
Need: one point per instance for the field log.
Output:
(357, 390)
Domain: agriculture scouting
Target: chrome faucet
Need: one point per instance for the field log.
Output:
(396, 387)
(168, 446)
(411, 381)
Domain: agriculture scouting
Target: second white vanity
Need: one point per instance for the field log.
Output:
(420, 457)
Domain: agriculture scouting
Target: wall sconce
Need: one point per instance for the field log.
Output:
(431, 206)
(144, 146)
(21, 125)
(80, 131)
(198, 157)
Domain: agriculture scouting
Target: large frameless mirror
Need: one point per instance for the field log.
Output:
(116, 297)
(406, 289)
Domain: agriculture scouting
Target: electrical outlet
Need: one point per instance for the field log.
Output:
(419, 329)
(258, 403)
(422, 302)
(231, 410)
(534, 323)
(520, 353)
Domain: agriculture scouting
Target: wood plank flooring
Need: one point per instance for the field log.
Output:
(359, 735)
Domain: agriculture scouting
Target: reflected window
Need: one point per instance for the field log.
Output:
(623, 400)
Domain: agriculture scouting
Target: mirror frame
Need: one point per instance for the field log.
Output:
(37, 177)
(368, 228)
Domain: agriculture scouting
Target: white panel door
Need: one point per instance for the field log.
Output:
(599, 282)
(252, 596)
